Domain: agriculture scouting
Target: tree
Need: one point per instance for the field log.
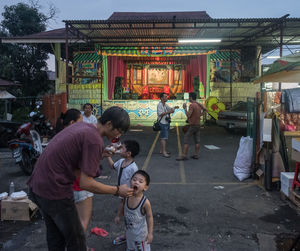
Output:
(25, 63)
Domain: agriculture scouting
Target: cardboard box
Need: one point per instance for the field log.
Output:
(295, 155)
(296, 144)
(286, 179)
(286, 190)
(21, 210)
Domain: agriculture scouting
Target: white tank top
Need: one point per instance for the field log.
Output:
(135, 221)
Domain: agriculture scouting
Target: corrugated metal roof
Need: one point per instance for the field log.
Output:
(166, 28)
(121, 30)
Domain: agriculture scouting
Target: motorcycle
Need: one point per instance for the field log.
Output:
(43, 127)
(27, 147)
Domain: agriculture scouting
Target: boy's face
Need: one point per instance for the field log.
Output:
(123, 151)
(138, 183)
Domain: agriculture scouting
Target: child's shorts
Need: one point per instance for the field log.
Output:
(137, 246)
(81, 195)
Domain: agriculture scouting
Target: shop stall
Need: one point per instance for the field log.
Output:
(280, 117)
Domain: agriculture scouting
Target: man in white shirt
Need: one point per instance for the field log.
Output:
(163, 114)
(87, 115)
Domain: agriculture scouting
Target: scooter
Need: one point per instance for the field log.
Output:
(27, 147)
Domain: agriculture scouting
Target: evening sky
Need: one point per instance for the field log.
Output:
(102, 9)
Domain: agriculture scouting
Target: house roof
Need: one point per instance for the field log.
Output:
(52, 36)
(142, 16)
(166, 28)
(7, 83)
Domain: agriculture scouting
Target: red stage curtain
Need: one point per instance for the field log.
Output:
(196, 67)
(116, 68)
(202, 62)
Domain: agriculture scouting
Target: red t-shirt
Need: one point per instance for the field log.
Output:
(79, 146)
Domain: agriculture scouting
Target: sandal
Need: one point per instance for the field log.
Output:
(119, 240)
(195, 157)
(182, 158)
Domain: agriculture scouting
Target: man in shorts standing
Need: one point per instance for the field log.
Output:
(163, 115)
(196, 110)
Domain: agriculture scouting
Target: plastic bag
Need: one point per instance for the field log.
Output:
(243, 160)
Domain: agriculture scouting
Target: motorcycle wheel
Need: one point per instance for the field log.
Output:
(26, 163)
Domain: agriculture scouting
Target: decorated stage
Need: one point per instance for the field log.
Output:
(142, 112)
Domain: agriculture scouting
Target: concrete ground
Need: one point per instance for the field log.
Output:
(192, 212)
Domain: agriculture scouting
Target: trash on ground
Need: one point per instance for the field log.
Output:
(211, 147)
(218, 187)
(99, 231)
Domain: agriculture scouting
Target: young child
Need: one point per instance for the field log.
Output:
(138, 214)
(125, 168)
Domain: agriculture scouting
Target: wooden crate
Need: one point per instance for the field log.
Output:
(295, 197)
(288, 140)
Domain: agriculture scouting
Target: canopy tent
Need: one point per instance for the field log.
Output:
(285, 69)
(6, 95)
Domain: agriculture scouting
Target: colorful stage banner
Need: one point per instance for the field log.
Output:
(152, 51)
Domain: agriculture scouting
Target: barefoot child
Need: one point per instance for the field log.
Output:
(138, 214)
(125, 167)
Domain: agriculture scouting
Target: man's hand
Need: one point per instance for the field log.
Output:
(125, 191)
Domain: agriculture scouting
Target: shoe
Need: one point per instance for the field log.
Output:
(166, 155)
(119, 240)
(195, 157)
(182, 158)
(166, 152)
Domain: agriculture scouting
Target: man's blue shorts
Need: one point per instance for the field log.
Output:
(164, 132)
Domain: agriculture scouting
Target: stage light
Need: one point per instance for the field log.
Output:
(273, 57)
(199, 40)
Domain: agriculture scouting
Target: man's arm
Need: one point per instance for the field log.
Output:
(202, 106)
(88, 183)
(189, 112)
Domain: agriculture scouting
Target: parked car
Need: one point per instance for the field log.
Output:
(235, 118)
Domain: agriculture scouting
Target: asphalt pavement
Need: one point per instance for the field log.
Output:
(197, 204)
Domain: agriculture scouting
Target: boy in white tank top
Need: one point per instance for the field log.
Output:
(138, 214)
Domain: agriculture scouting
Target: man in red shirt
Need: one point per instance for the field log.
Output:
(196, 110)
(75, 151)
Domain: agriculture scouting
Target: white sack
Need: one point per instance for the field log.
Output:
(243, 159)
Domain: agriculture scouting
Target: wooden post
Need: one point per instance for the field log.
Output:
(67, 61)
